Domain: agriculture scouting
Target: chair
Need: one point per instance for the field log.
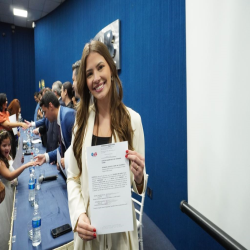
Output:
(138, 200)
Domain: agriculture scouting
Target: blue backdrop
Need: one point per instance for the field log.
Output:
(17, 67)
(153, 62)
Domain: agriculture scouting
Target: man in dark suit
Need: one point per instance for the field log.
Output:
(57, 89)
(46, 129)
(65, 118)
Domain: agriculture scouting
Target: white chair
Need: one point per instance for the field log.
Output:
(138, 200)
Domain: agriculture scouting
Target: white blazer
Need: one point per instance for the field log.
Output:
(78, 190)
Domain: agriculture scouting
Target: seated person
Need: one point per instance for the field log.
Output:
(8, 176)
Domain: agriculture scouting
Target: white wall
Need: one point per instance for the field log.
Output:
(218, 113)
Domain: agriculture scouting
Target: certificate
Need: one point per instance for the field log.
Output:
(12, 118)
(109, 188)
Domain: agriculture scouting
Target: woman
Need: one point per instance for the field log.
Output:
(107, 120)
(8, 176)
(5, 122)
(14, 108)
(67, 94)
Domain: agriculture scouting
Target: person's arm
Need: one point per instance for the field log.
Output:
(2, 191)
(137, 168)
(74, 186)
(8, 125)
(137, 157)
(5, 172)
(36, 124)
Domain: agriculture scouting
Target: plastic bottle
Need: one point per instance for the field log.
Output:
(20, 119)
(22, 160)
(31, 168)
(31, 156)
(31, 190)
(28, 144)
(36, 224)
(34, 174)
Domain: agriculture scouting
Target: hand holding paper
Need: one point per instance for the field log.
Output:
(137, 165)
(84, 229)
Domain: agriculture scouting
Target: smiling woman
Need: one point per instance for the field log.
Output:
(108, 120)
(8, 176)
(5, 122)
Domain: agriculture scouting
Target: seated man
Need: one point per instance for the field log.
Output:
(65, 118)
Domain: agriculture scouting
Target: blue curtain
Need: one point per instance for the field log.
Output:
(17, 66)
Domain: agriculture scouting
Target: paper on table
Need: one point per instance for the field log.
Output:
(12, 118)
(109, 188)
(59, 162)
(36, 141)
(18, 159)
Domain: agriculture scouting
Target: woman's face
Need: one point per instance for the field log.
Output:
(63, 94)
(98, 76)
(5, 147)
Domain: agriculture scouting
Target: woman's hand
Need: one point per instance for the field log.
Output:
(137, 165)
(29, 164)
(14, 182)
(84, 229)
(28, 123)
(24, 125)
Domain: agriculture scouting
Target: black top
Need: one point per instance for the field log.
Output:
(96, 140)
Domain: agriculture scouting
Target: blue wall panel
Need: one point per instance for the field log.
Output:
(153, 73)
(17, 67)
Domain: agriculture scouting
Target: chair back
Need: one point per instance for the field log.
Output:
(138, 200)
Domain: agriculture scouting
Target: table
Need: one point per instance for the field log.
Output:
(53, 206)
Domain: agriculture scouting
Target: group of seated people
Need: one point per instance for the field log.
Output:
(98, 117)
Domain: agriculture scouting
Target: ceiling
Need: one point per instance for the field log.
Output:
(36, 10)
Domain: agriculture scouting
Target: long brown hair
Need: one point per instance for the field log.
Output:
(14, 107)
(120, 121)
(4, 135)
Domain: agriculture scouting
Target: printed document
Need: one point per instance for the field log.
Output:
(109, 188)
(12, 118)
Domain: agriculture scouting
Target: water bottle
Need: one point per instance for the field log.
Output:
(20, 119)
(34, 174)
(29, 144)
(31, 133)
(22, 160)
(31, 156)
(31, 159)
(31, 190)
(36, 224)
